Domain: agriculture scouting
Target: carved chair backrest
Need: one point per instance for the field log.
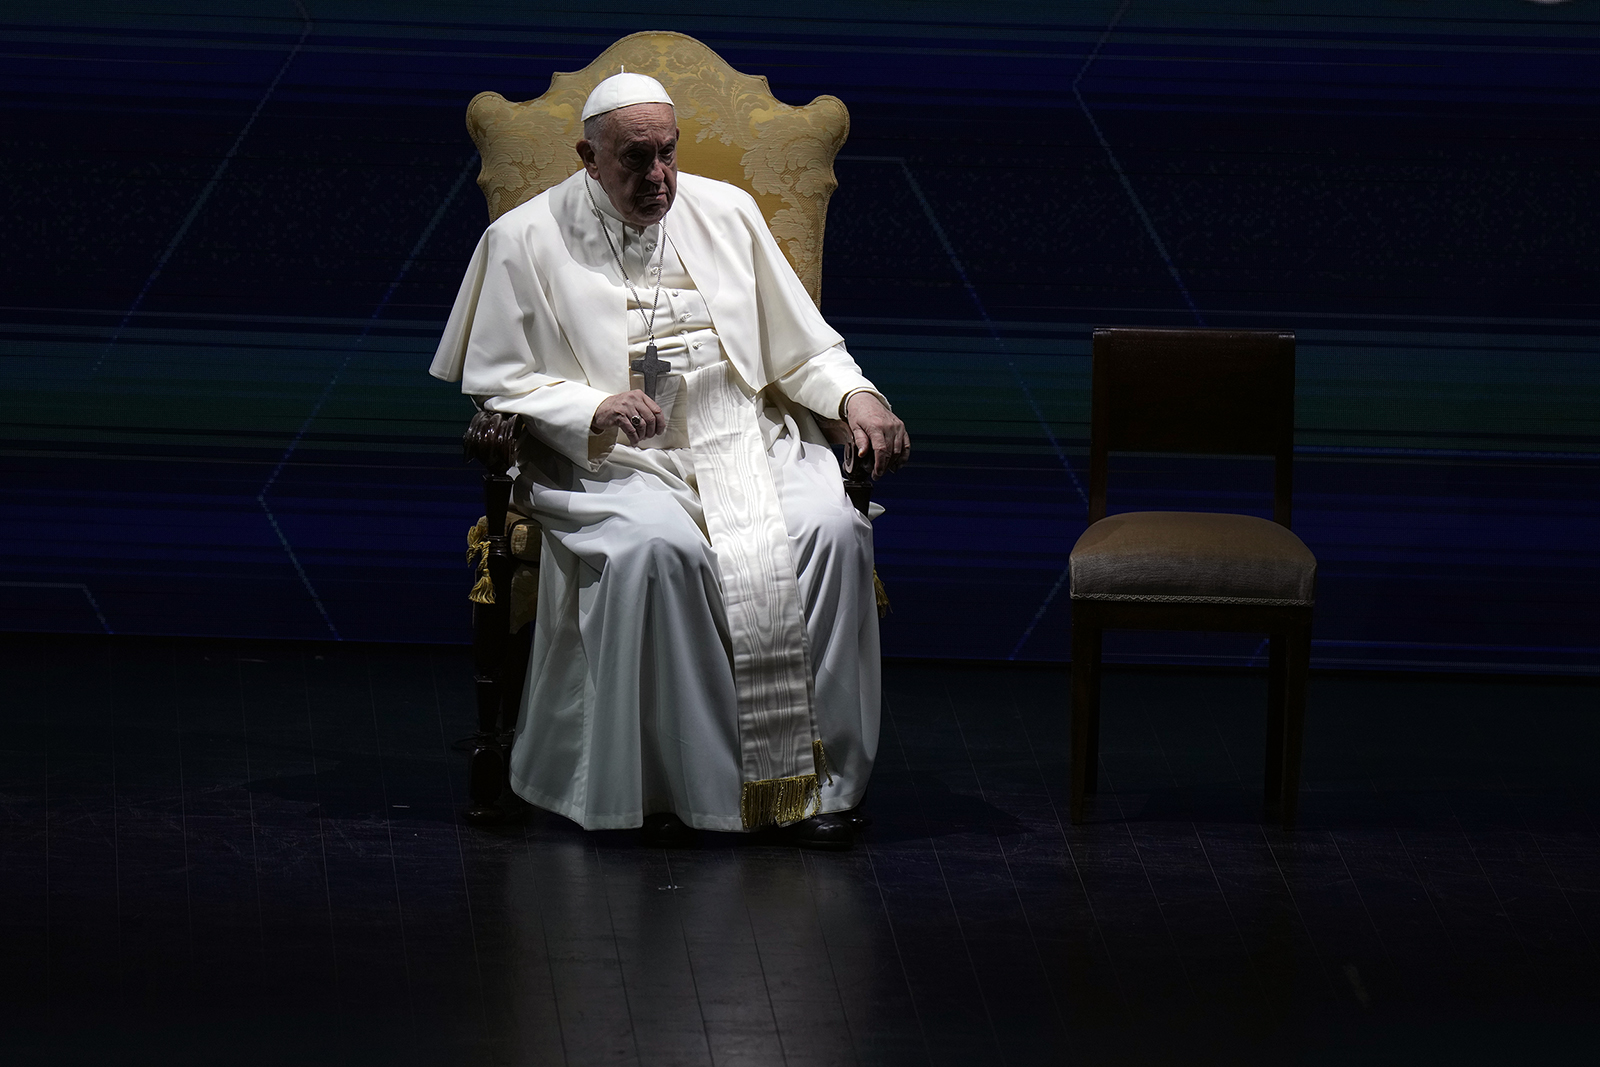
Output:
(732, 129)
(1217, 392)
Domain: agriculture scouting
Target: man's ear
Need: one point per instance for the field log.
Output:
(586, 153)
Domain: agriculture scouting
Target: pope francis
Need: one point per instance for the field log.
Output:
(706, 646)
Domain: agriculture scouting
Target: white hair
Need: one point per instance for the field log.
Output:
(594, 128)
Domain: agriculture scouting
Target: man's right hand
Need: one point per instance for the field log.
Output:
(632, 412)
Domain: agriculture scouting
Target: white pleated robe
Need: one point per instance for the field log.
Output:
(630, 706)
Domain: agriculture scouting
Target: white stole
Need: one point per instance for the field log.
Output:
(780, 753)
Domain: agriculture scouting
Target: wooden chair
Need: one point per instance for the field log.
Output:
(731, 128)
(1216, 392)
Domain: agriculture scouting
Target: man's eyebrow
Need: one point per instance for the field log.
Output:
(628, 146)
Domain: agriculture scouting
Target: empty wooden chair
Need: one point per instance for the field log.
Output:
(1203, 392)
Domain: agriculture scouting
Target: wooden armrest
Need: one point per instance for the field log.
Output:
(857, 467)
(491, 440)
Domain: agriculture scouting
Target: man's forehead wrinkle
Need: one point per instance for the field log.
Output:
(625, 126)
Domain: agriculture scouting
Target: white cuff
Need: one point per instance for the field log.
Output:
(844, 402)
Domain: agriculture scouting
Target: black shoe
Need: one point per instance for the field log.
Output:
(666, 830)
(833, 833)
(858, 818)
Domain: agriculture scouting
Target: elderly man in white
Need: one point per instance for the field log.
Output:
(706, 646)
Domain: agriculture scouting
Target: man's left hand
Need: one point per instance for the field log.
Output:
(875, 426)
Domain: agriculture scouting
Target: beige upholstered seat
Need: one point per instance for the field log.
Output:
(1192, 557)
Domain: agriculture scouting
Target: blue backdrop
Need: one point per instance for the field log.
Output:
(232, 233)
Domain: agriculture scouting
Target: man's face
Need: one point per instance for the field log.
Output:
(635, 160)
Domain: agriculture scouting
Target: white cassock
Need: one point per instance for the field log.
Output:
(707, 637)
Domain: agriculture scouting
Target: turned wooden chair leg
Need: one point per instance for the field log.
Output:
(1272, 778)
(1297, 669)
(1085, 714)
(487, 771)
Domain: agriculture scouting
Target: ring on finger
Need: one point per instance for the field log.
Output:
(636, 420)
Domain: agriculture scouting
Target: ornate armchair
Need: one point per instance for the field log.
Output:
(732, 129)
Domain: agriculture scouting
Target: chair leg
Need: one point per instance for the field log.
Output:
(1272, 778)
(1297, 667)
(486, 763)
(1091, 772)
(1085, 714)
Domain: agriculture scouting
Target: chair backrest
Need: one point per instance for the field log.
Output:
(731, 128)
(1216, 392)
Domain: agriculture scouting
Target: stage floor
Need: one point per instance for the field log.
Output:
(220, 852)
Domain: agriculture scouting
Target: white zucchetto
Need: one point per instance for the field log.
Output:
(624, 90)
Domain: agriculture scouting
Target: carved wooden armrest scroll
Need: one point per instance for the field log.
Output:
(491, 440)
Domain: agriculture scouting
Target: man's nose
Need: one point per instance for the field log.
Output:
(658, 171)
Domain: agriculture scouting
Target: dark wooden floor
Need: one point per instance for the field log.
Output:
(247, 853)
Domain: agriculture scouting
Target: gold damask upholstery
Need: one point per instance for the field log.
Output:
(732, 129)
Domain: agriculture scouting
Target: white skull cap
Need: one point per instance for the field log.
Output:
(624, 90)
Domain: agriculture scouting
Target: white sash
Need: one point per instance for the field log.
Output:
(780, 752)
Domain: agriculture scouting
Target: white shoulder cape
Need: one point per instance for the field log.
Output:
(540, 320)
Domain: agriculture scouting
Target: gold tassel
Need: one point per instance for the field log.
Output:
(478, 549)
(819, 758)
(880, 594)
(779, 800)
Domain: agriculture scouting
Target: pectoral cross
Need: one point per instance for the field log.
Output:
(650, 368)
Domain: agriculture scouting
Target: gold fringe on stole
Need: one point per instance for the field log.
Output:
(880, 594)
(478, 549)
(786, 800)
(779, 800)
(819, 758)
